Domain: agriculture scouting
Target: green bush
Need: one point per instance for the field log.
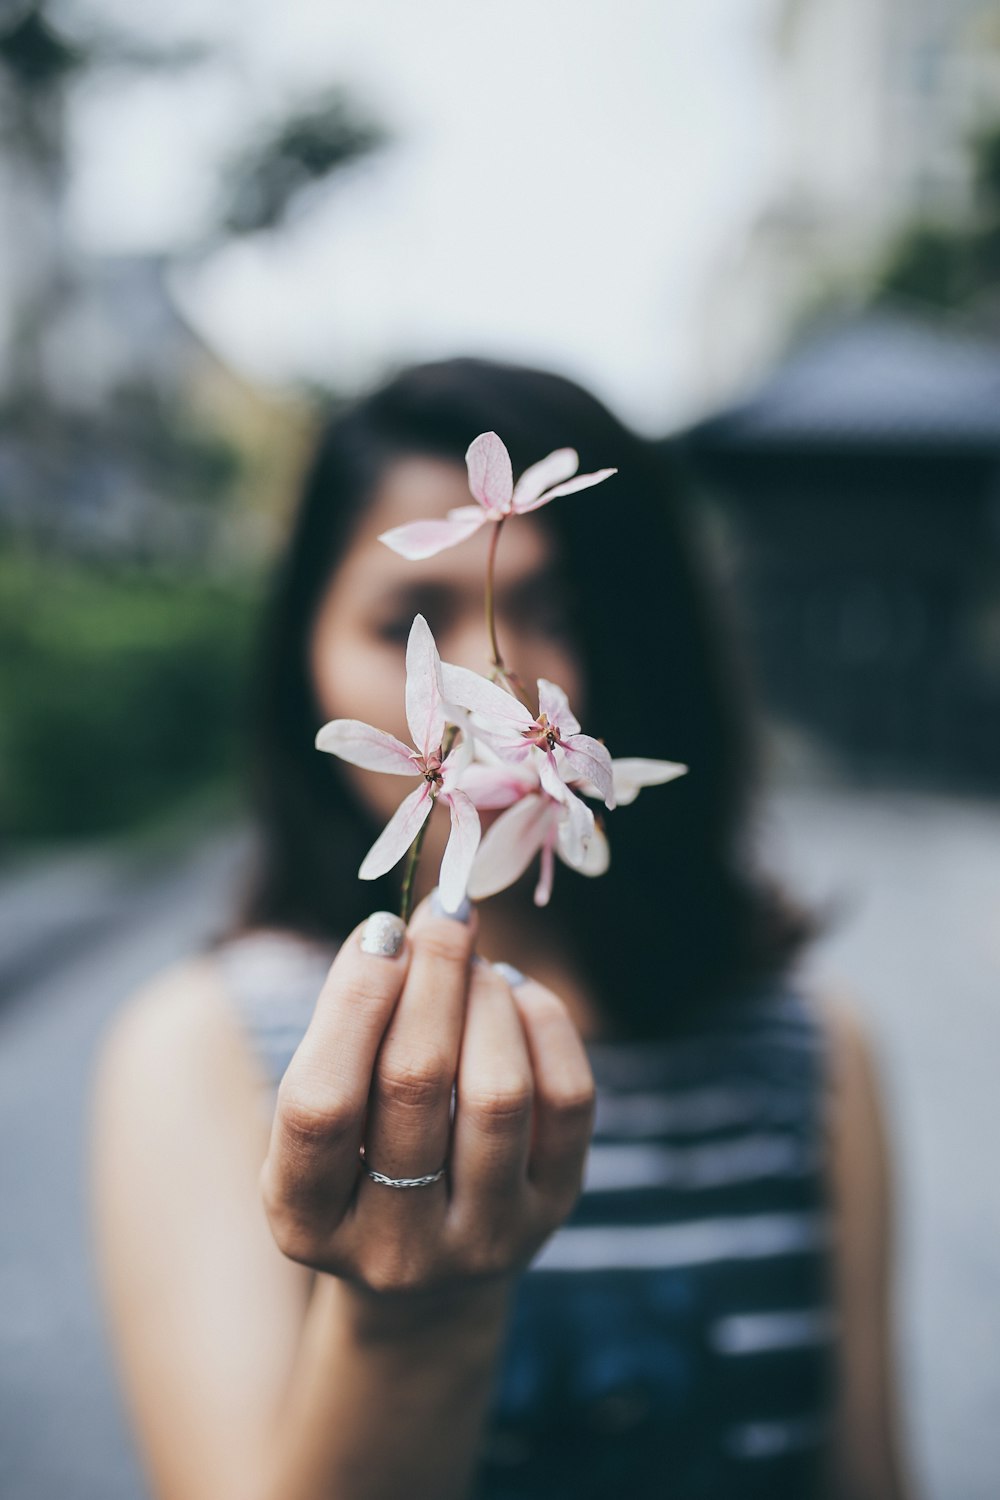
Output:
(121, 692)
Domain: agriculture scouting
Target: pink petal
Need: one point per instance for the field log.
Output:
(424, 704)
(492, 745)
(419, 539)
(514, 751)
(556, 773)
(631, 775)
(576, 821)
(588, 759)
(497, 786)
(557, 465)
(468, 690)
(510, 844)
(594, 859)
(550, 776)
(581, 482)
(543, 890)
(454, 764)
(398, 834)
(460, 851)
(491, 478)
(552, 702)
(362, 745)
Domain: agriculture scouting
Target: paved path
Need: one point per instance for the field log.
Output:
(919, 946)
(62, 1434)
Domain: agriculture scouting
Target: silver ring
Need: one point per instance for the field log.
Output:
(401, 1182)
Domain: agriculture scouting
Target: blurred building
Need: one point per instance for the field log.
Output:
(860, 489)
(874, 104)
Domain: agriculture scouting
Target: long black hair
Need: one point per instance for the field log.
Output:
(683, 917)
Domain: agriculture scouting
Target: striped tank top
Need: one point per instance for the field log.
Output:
(676, 1335)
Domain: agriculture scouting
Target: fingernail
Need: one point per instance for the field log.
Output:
(383, 934)
(462, 912)
(513, 976)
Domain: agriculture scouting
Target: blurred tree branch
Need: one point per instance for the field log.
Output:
(295, 153)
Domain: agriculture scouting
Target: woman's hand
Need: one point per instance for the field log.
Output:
(389, 1037)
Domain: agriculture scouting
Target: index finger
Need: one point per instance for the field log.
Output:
(312, 1160)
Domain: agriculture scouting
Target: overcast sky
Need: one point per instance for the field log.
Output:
(564, 181)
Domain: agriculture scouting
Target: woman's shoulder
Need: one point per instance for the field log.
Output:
(858, 1109)
(173, 1022)
(852, 1046)
(199, 1012)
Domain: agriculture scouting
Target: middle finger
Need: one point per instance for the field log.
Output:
(409, 1111)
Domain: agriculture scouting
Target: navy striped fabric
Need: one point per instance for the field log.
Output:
(676, 1335)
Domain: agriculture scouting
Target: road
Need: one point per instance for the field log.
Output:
(917, 945)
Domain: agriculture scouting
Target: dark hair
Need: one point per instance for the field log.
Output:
(663, 679)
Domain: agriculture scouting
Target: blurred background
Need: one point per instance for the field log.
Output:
(767, 232)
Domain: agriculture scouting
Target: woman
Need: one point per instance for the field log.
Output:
(656, 1260)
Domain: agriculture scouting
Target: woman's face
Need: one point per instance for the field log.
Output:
(359, 636)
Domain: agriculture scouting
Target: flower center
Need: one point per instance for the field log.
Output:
(430, 768)
(543, 734)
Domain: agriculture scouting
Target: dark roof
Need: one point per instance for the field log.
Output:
(879, 380)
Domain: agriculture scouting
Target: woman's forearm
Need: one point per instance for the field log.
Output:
(386, 1403)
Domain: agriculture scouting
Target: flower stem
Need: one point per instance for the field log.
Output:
(490, 600)
(501, 672)
(413, 858)
(412, 861)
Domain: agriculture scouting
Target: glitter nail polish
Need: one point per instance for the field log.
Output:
(383, 934)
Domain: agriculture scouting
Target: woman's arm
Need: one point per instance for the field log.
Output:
(867, 1456)
(376, 1410)
(250, 1375)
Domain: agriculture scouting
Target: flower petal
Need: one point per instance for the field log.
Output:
(575, 817)
(588, 759)
(460, 851)
(557, 465)
(458, 757)
(595, 857)
(632, 774)
(552, 702)
(419, 539)
(468, 513)
(491, 478)
(362, 745)
(468, 690)
(550, 775)
(581, 482)
(497, 786)
(424, 698)
(398, 834)
(543, 890)
(510, 844)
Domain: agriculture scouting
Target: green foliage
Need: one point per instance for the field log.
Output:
(933, 264)
(121, 693)
(951, 266)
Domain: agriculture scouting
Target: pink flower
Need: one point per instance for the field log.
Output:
(491, 481)
(534, 822)
(375, 750)
(553, 738)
